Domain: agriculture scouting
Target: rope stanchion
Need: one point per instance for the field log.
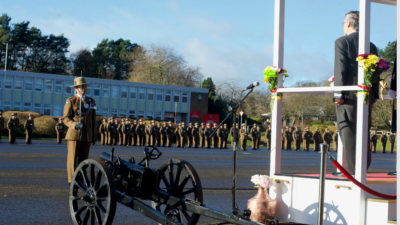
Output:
(360, 185)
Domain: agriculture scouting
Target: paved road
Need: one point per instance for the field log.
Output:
(33, 178)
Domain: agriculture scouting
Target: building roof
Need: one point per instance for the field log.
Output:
(103, 81)
(386, 2)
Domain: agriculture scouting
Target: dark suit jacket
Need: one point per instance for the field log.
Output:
(346, 66)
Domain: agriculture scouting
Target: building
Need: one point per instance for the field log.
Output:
(47, 94)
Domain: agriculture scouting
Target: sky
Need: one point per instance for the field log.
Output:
(229, 40)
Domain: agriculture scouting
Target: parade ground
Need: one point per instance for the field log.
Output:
(34, 189)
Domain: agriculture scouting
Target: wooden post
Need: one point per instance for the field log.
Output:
(276, 144)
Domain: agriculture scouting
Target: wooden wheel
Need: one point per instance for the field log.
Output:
(92, 194)
(180, 179)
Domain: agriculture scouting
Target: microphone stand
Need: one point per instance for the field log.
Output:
(232, 111)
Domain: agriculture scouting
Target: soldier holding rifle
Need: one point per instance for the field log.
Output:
(202, 135)
(80, 117)
(29, 124)
(170, 132)
(102, 130)
(195, 135)
(297, 139)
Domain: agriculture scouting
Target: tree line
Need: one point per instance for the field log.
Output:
(30, 50)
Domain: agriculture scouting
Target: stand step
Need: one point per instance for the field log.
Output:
(381, 211)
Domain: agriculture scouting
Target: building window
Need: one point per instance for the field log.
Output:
(168, 96)
(88, 92)
(115, 91)
(39, 85)
(106, 90)
(159, 95)
(176, 96)
(17, 106)
(38, 107)
(158, 115)
(149, 115)
(132, 92)
(141, 114)
(124, 92)
(59, 84)
(57, 110)
(68, 88)
(28, 84)
(96, 90)
(27, 106)
(8, 83)
(105, 112)
(184, 97)
(47, 109)
(122, 113)
(150, 94)
(114, 113)
(132, 114)
(18, 83)
(7, 105)
(142, 93)
(49, 86)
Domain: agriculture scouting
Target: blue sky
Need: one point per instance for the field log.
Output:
(228, 40)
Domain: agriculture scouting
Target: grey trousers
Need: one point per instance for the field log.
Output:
(347, 124)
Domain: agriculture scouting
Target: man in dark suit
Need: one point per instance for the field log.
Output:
(346, 74)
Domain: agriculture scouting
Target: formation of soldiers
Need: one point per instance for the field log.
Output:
(123, 132)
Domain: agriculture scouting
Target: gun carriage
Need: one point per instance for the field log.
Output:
(174, 190)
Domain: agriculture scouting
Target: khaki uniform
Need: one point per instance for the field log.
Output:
(112, 130)
(183, 133)
(384, 141)
(268, 136)
(148, 134)
(103, 135)
(258, 140)
(189, 136)
(307, 135)
(243, 138)
(12, 126)
(126, 134)
(202, 131)
(140, 130)
(254, 137)
(374, 140)
(1, 126)
(163, 134)
(178, 137)
(208, 131)
(232, 132)
(79, 143)
(29, 125)
(153, 135)
(327, 139)
(215, 138)
(195, 135)
(317, 140)
(60, 129)
(120, 134)
(158, 136)
(170, 133)
(392, 139)
(297, 139)
(133, 135)
(288, 139)
(283, 140)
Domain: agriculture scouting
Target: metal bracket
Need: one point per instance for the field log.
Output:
(279, 180)
(339, 186)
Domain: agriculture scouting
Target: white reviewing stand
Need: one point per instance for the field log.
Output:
(345, 203)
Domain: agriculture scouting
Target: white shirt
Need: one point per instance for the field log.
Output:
(84, 97)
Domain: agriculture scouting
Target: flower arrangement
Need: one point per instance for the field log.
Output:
(271, 76)
(262, 181)
(373, 67)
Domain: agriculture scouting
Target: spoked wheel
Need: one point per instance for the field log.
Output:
(92, 195)
(180, 179)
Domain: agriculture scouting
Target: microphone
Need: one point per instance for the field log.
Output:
(251, 86)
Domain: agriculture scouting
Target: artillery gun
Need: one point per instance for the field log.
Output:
(174, 190)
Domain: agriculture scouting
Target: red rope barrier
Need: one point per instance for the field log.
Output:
(360, 185)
